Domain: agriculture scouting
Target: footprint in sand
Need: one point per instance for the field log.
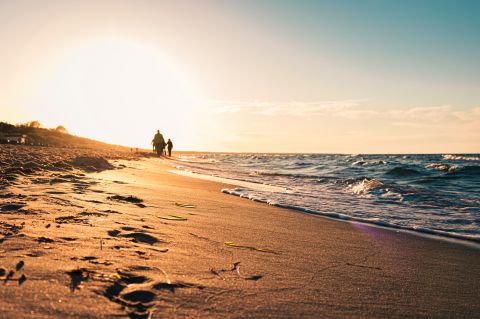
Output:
(9, 195)
(127, 199)
(10, 275)
(78, 276)
(113, 232)
(139, 239)
(19, 265)
(142, 238)
(8, 230)
(79, 219)
(138, 294)
(128, 228)
(136, 236)
(12, 206)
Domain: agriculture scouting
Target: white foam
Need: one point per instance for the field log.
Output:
(374, 222)
(365, 186)
(251, 185)
(461, 158)
(443, 167)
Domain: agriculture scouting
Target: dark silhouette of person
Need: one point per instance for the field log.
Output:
(169, 147)
(158, 143)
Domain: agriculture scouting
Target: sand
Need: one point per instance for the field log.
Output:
(86, 238)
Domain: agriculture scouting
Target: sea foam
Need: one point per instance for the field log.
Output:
(427, 193)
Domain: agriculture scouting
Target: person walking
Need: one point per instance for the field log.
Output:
(159, 143)
(169, 147)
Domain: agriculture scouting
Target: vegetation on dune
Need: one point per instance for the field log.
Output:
(59, 136)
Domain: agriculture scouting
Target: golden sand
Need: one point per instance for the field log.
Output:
(81, 239)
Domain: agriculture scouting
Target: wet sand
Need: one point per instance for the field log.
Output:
(84, 239)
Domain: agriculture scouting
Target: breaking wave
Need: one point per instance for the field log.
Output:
(438, 194)
(460, 158)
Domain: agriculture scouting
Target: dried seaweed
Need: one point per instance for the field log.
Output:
(173, 217)
(232, 244)
(185, 205)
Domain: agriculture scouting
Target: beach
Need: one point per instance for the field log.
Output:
(91, 234)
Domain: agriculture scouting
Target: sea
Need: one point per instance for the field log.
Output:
(436, 194)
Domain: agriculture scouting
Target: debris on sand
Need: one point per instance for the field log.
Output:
(185, 205)
(173, 217)
(235, 268)
(232, 244)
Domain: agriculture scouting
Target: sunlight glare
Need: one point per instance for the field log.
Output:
(117, 91)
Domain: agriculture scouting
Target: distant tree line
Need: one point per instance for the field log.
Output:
(59, 136)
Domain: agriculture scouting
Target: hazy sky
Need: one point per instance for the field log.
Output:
(286, 76)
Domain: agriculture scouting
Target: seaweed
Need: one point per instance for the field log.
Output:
(173, 217)
(185, 205)
(232, 244)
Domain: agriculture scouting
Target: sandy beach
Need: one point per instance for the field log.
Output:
(81, 237)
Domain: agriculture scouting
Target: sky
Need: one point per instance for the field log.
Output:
(260, 76)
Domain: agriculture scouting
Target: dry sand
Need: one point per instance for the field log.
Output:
(116, 243)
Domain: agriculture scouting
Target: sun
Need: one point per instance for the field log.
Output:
(116, 90)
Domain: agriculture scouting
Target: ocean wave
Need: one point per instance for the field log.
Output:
(465, 235)
(470, 169)
(359, 163)
(196, 160)
(460, 157)
(365, 186)
(364, 163)
(455, 169)
(403, 171)
(405, 190)
(292, 175)
(442, 167)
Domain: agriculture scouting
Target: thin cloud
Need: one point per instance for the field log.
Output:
(348, 109)
(340, 108)
(472, 115)
(430, 113)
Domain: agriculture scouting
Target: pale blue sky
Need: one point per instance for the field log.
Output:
(436, 43)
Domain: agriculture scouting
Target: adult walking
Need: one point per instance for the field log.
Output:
(159, 143)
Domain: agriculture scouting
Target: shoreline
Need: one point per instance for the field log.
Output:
(427, 233)
(140, 242)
